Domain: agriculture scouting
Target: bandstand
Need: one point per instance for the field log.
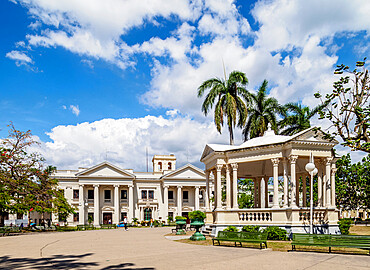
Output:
(280, 160)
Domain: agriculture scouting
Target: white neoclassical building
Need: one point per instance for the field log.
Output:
(279, 160)
(106, 193)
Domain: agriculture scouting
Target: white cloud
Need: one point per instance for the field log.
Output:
(125, 140)
(20, 58)
(75, 109)
(64, 107)
(88, 62)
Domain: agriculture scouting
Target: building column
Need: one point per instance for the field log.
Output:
(206, 193)
(228, 187)
(81, 210)
(117, 208)
(234, 166)
(263, 191)
(275, 163)
(96, 206)
(333, 171)
(319, 184)
(179, 201)
(304, 190)
(297, 193)
(285, 175)
(130, 203)
(293, 160)
(218, 187)
(196, 197)
(165, 202)
(327, 180)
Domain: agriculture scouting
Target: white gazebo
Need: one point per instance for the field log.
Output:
(280, 160)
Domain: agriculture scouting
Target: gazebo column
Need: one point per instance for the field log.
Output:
(285, 176)
(234, 166)
(228, 188)
(293, 160)
(304, 190)
(262, 193)
(327, 180)
(267, 191)
(275, 163)
(319, 184)
(206, 193)
(333, 171)
(297, 194)
(218, 187)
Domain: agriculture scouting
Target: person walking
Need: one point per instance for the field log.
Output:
(151, 223)
(125, 223)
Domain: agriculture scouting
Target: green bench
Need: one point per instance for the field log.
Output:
(9, 230)
(108, 226)
(85, 227)
(331, 240)
(239, 237)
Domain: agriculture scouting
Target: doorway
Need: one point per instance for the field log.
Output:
(107, 218)
(147, 214)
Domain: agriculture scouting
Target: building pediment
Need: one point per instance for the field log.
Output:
(105, 170)
(312, 135)
(186, 172)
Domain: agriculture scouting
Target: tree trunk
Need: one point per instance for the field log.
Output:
(231, 135)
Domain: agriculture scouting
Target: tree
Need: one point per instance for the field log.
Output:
(262, 111)
(298, 119)
(229, 94)
(25, 185)
(352, 183)
(348, 107)
(246, 193)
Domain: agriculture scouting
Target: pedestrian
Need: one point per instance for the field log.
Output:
(151, 223)
(109, 221)
(125, 223)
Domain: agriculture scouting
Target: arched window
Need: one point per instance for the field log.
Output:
(169, 165)
(160, 166)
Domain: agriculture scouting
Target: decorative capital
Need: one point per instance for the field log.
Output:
(275, 161)
(68, 187)
(165, 186)
(130, 186)
(96, 186)
(116, 186)
(328, 160)
(197, 187)
(227, 168)
(81, 185)
(179, 186)
(293, 159)
(234, 166)
(219, 167)
(334, 170)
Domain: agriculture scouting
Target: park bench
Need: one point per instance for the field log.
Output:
(9, 230)
(239, 237)
(108, 226)
(178, 227)
(85, 227)
(330, 240)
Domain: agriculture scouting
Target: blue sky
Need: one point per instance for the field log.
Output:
(96, 79)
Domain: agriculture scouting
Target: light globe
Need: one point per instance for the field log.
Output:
(310, 167)
(315, 171)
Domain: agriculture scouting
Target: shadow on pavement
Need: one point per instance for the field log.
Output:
(60, 262)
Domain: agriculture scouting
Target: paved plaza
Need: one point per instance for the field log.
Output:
(148, 249)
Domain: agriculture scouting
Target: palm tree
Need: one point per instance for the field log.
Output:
(298, 119)
(262, 111)
(229, 103)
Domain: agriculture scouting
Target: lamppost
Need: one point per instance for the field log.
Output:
(312, 170)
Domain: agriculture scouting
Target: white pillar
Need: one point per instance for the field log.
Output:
(228, 188)
(333, 171)
(130, 203)
(259, 192)
(319, 185)
(267, 191)
(218, 187)
(81, 211)
(165, 202)
(304, 190)
(327, 178)
(293, 160)
(96, 206)
(285, 175)
(234, 166)
(179, 201)
(297, 194)
(117, 208)
(275, 163)
(196, 197)
(206, 193)
(263, 192)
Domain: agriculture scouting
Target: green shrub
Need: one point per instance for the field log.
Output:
(250, 228)
(344, 225)
(181, 218)
(231, 229)
(169, 219)
(197, 215)
(276, 233)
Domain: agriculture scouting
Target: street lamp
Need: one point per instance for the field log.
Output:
(312, 170)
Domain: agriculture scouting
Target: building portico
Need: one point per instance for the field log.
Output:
(280, 161)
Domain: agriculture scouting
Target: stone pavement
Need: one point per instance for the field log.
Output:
(148, 249)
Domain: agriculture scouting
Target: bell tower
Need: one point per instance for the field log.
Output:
(163, 163)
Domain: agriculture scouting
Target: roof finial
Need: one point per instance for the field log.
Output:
(269, 131)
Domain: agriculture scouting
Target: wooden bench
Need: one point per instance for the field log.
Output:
(239, 237)
(330, 240)
(85, 227)
(9, 230)
(108, 226)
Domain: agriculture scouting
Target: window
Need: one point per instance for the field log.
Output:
(20, 216)
(76, 217)
(201, 196)
(123, 195)
(170, 195)
(169, 165)
(271, 197)
(107, 195)
(151, 194)
(123, 215)
(90, 194)
(76, 194)
(160, 166)
(185, 196)
(144, 194)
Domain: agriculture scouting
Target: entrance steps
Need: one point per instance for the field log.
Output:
(207, 230)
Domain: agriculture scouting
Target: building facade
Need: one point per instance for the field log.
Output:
(105, 193)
